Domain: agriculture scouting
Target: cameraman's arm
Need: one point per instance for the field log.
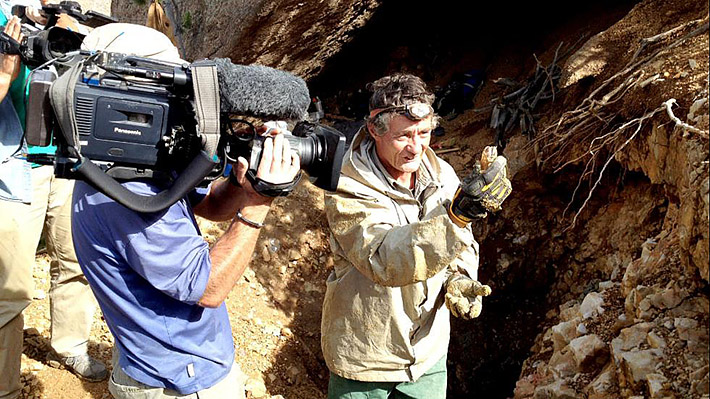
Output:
(232, 252)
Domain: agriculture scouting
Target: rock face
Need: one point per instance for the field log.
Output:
(639, 326)
(297, 36)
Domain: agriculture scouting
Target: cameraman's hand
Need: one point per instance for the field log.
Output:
(10, 64)
(464, 296)
(278, 163)
(67, 22)
(480, 192)
(35, 15)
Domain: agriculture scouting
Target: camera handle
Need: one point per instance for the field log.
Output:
(193, 174)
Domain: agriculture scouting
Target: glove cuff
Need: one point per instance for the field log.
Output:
(459, 220)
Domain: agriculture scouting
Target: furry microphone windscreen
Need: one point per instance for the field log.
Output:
(261, 91)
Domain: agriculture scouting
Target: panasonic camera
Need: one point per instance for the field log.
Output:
(117, 117)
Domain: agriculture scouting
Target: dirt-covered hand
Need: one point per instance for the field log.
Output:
(481, 192)
(464, 297)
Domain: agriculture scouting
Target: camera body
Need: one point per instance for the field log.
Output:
(130, 127)
(40, 45)
(145, 129)
(134, 117)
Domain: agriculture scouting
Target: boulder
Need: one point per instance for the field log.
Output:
(686, 328)
(524, 387)
(563, 363)
(556, 390)
(590, 353)
(637, 365)
(655, 341)
(656, 389)
(564, 332)
(256, 387)
(569, 311)
(604, 385)
(631, 337)
(669, 297)
(592, 305)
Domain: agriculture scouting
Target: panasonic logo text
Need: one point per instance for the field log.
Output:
(127, 131)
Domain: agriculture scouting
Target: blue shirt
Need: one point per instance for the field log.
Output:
(148, 271)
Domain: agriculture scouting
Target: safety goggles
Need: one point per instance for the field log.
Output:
(415, 111)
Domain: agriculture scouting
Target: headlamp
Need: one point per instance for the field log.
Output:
(414, 111)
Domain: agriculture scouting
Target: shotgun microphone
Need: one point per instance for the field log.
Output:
(260, 91)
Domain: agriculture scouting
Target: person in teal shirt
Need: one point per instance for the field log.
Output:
(32, 202)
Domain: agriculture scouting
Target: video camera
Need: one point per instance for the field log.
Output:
(42, 43)
(116, 117)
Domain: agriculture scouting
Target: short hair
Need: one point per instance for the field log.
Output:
(395, 90)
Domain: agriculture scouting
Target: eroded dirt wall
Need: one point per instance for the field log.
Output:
(626, 310)
(297, 36)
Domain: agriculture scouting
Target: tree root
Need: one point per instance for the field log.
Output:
(593, 151)
(593, 121)
(679, 123)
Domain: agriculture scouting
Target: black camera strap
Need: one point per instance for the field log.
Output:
(270, 189)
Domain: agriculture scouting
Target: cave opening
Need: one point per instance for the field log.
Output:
(437, 42)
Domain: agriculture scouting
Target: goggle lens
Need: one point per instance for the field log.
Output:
(415, 112)
(418, 111)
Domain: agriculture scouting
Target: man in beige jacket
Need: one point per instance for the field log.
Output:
(404, 251)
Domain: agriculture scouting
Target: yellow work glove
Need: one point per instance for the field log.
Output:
(464, 296)
(481, 192)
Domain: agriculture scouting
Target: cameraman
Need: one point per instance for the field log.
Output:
(160, 287)
(32, 200)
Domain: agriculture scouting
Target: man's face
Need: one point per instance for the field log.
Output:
(402, 147)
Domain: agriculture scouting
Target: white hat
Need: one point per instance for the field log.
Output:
(138, 40)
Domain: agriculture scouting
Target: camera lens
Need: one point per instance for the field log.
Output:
(320, 149)
(306, 148)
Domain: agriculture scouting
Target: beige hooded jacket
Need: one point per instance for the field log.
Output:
(384, 317)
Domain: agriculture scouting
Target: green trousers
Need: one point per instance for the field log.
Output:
(431, 385)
